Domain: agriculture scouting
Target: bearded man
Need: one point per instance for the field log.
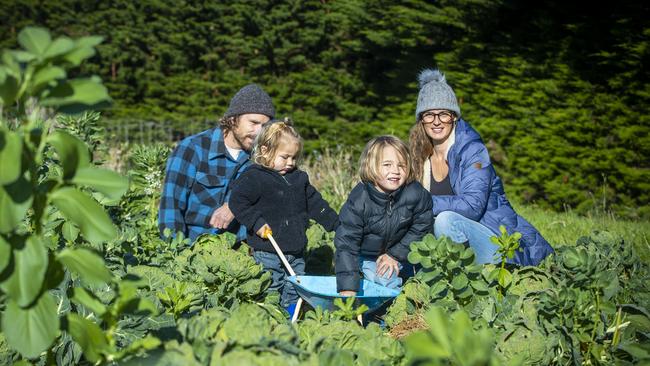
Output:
(202, 167)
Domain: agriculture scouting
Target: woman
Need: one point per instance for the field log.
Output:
(451, 162)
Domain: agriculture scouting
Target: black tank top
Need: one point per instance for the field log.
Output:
(442, 188)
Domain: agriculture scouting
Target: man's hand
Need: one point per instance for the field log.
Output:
(386, 264)
(222, 217)
(348, 293)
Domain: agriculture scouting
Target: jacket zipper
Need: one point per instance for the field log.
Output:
(387, 226)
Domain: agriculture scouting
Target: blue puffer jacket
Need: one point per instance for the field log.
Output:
(479, 195)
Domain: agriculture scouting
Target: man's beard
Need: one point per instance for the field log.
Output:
(241, 140)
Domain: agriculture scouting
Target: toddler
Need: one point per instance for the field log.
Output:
(274, 195)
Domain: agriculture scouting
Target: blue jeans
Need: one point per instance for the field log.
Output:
(272, 263)
(368, 266)
(460, 229)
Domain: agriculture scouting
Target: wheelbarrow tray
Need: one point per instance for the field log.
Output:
(320, 291)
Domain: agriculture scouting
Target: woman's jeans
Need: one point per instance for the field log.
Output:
(272, 263)
(463, 230)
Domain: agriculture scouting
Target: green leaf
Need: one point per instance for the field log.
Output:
(89, 336)
(59, 47)
(464, 294)
(437, 289)
(11, 149)
(147, 343)
(84, 49)
(636, 350)
(15, 200)
(89, 301)
(46, 75)
(88, 41)
(414, 257)
(30, 264)
(8, 87)
(5, 253)
(504, 277)
(87, 214)
(70, 231)
(428, 276)
(479, 285)
(426, 262)
(89, 266)
(73, 153)
(503, 231)
(22, 56)
(35, 40)
(459, 282)
(31, 331)
(77, 95)
(108, 182)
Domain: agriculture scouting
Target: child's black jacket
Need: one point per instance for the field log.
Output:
(286, 203)
(373, 223)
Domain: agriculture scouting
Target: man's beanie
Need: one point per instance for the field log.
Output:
(251, 99)
(435, 93)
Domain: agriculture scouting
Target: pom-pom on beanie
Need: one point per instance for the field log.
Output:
(435, 93)
(251, 99)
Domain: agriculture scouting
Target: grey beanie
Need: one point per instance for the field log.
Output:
(435, 93)
(251, 99)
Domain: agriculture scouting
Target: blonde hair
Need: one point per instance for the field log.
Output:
(370, 160)
(271, 137)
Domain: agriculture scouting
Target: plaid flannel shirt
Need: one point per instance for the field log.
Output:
(197, 182)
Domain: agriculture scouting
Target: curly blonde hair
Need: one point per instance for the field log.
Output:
(370, 160)
(270, 138)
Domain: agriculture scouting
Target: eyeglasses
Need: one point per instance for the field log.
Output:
(444, 117)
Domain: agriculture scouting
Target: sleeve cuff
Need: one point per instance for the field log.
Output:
(258, 224)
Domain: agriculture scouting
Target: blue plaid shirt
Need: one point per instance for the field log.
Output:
(197, 182)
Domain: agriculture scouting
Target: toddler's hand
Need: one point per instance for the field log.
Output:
(348, 293)
(264, 231)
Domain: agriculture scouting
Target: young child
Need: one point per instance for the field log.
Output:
(273, 194)
(382, 216)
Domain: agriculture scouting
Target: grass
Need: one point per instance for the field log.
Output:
(564, 228)
(333, 173)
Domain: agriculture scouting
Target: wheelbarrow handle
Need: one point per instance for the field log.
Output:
(281, 255)
(290, 270)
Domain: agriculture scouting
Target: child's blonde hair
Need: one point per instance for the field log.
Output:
(270, 138)
(370, 161)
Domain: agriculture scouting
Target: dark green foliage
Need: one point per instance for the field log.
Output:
(559, 91)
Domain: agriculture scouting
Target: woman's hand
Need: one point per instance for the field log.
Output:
(264, 231)
(386, 264)
(348, 293)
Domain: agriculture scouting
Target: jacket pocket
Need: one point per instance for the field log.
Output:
(209, 189)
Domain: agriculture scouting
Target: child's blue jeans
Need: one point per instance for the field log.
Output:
(368, 266)
(272, 263)
(460, 229)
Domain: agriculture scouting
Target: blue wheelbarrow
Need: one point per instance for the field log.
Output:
(320, 291)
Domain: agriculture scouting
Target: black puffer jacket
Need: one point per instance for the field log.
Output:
(374, 223)
(284, 202)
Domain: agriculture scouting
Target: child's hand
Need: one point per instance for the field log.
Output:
(386, 264)
(348, 293)
(264, 231)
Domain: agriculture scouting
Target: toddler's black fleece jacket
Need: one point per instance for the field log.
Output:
(284, 202)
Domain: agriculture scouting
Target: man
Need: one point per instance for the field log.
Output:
(202, 167)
